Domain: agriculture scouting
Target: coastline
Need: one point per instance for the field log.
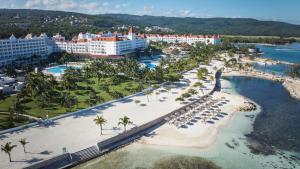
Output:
(64, 131)
(267, 61)
(291, 85)
(199, 135)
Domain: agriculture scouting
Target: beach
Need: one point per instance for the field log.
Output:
(200, 134)
(78, 131)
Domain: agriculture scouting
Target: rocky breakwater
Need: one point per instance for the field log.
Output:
(293, 86)
(248, 106)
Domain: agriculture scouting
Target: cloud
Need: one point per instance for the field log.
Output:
(99, 7)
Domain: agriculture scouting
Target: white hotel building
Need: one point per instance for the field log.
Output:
(17, 50)
(190, 39)
(110, 44)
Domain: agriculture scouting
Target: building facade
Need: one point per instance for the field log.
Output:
(190, 39)
(109, 44)
(18, 51)
(21, 51)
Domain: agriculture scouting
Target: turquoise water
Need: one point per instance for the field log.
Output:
(239, 157)
(60, 69)
(279, 69)
(288, 53)
(150, 65)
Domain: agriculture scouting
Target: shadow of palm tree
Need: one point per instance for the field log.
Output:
(151, 135)
(34, 160)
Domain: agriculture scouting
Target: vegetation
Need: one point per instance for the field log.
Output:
(181, 99)
(23, 21)
(100, 121)
(294, 71)
(23, 142)
(184, 162)
(99, 81)
(7, 148)
(255, 39)
(124, 122)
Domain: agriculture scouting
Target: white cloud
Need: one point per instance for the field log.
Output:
(99, 7)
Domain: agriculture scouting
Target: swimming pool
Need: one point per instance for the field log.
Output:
(150, 65)
(60, 69)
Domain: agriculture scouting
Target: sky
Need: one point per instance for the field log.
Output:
(275, 10)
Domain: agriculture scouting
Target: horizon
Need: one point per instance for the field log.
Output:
(298, 24)
(205, 9)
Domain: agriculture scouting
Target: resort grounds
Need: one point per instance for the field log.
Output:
(78, 131)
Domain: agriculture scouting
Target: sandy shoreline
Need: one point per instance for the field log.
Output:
(78, 131)
(265, 61)
(199, 134)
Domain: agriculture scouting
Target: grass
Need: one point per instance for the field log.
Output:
(4, 124)
(126, 87)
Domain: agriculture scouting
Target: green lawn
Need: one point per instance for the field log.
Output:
(4, 124)
(126, 87)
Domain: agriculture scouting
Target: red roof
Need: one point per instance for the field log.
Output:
(109, 39)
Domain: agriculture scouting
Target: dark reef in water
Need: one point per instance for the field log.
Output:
(124, 160)
(277, 126)
(184, 162)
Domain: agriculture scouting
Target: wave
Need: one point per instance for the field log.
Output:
(288, 49)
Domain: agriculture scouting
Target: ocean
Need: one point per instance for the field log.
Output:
(275, 119)
(287, 53)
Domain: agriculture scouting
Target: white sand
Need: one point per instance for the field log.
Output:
(77, 132)
(200, 134)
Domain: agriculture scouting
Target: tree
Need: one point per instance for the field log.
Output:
(66, 57)
(192, 91)
(100, 121)
(7, 148)
(69, 101)
(148, 92)
(9, 70)
(93, 98)
(294, 71)
(179, 99)
(12, 112)
(69, 78)
(23, 142)
(211, 78)
(124, 121)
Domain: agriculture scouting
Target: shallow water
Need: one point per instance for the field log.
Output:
(279, 69)
(289, 53)
(236, 157)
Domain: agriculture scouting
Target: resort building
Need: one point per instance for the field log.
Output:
(190, 39)
(108, 44)
(18, 51)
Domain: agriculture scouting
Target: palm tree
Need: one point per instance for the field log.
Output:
(7, 148)
(11, 119)
(294, 71)
(211, 78)
(23, 142)
(149, 92)
(124, 121)
(100, 121)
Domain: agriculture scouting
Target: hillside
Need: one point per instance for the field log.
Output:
(22, 21)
